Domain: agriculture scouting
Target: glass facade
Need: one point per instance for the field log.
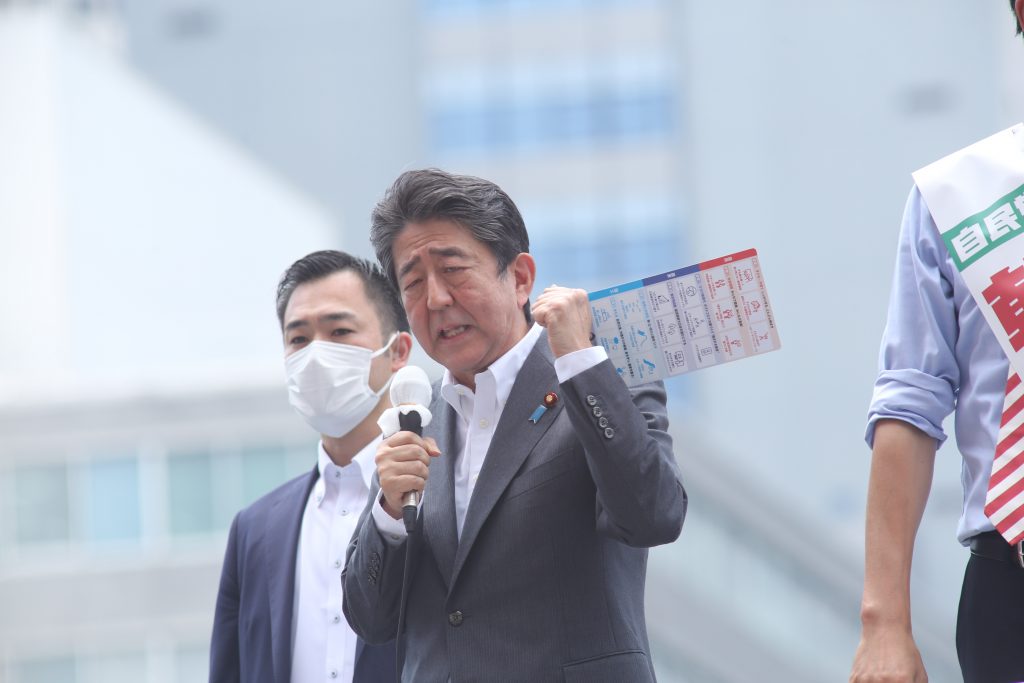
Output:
(112, 668)
(111, 500)
(768, 597)
(594, 105)
(96, 501)
(43, 670)
(190, 493)
(522, 106)
(41, 503)
(189, 663)
(510, 123)
(449, 8)
(192, 663)
(262, 470)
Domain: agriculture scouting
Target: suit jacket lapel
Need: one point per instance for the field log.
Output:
(439, 497)
(280, 546)
(514, 438)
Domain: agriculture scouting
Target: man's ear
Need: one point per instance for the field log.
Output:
(400, 350)
(524, 270)
(1018, 8)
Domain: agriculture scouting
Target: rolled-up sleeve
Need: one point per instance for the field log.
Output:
(918, 373)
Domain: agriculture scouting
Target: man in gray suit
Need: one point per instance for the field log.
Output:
(544, 479)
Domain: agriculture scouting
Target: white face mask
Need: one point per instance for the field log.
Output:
(329, 385)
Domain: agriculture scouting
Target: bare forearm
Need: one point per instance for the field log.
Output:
(902, 463)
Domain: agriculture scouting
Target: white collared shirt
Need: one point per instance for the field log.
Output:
(478, 414)
(323, 644)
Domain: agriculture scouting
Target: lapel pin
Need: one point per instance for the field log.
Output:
(550, 399)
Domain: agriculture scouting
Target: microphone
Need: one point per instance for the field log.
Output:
(410, 395)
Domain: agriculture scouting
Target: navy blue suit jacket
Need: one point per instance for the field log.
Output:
(252, 626)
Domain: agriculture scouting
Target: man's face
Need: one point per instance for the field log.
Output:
(336, 309)
(463, 314)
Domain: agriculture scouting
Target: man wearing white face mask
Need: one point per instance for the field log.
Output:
(279, 608)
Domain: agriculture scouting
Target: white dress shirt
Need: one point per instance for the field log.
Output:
(478, 414)
(323, 644)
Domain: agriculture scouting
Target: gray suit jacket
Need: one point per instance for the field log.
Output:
(547, 580)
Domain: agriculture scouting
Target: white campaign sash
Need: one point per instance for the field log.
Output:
(976, 197)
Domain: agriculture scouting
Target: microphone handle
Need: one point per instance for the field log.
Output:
(410, 422)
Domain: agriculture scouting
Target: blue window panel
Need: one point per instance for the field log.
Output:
(552, 120)
(644, 113)
(606, 119)
(610, 259)
(459, 129)
(190, 493)
(498, 121)
(262, 471)
(528, 126)
(443, 8)
(126, 667)
(44, 670)
(300, 459)
(566, 121)
(41, 503)
(112, 500)
(191, 663)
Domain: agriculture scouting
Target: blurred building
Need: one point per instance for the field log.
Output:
(574, 108)
(164, 161)
(141, 399)
(324, 93)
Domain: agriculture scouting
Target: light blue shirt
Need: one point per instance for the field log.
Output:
(938, 354)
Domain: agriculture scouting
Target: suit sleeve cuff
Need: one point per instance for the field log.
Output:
(572, 364)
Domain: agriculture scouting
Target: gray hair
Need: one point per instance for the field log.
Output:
(476, 204)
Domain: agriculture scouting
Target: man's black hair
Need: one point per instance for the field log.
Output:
(478, 205)
(379, 290)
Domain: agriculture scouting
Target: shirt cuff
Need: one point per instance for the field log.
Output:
(572, 364)
(391, 530)
(913, 396)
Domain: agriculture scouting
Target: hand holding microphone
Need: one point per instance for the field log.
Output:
(403, 458)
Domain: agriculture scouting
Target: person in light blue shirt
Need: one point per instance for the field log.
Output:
(938, 355)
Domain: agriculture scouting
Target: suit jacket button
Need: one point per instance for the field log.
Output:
(597, 411)
(609, 432)
(591, 400)
(603, 422)
(455, 618)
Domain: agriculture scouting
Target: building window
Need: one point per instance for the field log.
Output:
(192, 663)
(444, 8)
(112, 668)
(584, 119)
(112, 500)
(262, 471)
(41, 503)
(190, 493)
(44, 670)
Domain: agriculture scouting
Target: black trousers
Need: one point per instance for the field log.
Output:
(990, 623)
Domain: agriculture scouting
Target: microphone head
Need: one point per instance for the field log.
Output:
(410, 385)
